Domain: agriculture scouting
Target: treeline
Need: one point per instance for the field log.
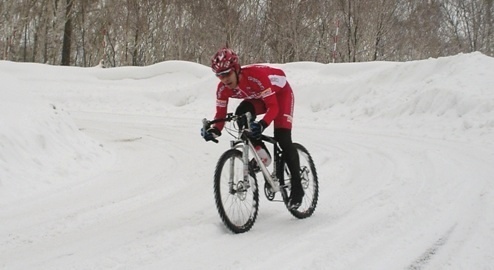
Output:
(143, 32)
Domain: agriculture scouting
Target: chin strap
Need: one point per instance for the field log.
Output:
(237, 74)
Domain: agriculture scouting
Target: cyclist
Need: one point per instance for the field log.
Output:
(264, 90)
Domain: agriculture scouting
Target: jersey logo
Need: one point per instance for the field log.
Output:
(256, 81)
(289, 118)
(278, 80)
(221, 103)
(219, 93)
(266, 93)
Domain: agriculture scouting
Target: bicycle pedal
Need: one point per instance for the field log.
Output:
(253, 167)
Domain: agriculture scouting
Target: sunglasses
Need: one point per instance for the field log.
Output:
(224, 74)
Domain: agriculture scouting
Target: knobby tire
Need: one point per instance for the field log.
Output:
(237, 205)
(310, 184)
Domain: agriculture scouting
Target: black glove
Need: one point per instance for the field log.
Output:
(256, 129)
(210, 134)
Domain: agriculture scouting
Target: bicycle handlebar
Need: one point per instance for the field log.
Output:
(206, 124)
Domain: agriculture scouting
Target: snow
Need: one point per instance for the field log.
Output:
(105, 168)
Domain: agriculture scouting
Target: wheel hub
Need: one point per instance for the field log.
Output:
(242, 190)
(304, 177)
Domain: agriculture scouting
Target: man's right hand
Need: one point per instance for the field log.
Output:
(210, 134)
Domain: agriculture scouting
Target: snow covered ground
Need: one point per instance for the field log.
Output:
(105, 169)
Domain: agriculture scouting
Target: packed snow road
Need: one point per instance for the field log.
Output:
(387, 201)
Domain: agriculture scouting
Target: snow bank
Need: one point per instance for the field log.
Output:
(39, 143)
(446, 94)
(174, 68)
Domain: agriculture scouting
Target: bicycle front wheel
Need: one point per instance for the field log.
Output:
(237, 200)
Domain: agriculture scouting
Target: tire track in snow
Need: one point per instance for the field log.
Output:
(427, 256)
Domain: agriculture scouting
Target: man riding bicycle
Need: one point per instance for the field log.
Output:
(264, 90)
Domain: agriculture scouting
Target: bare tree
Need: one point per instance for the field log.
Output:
(352, 17)
(470, 23)
(132, 32)
(67, 34)
(381, 19)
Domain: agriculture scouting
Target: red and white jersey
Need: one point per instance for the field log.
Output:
(255, 82)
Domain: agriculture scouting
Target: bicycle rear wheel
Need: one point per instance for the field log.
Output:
(309, 181)
(237, 200)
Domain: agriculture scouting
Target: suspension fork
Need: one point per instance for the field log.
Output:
(245, 157)
(232, 172)
(244, 147)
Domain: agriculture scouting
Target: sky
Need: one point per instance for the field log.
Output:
(106, 168)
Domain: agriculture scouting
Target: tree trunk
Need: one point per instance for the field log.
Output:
(67, 35)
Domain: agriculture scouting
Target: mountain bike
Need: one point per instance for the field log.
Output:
(236, 190)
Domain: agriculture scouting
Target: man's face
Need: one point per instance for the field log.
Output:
(228, 77)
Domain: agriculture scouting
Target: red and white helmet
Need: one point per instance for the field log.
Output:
(224, 59)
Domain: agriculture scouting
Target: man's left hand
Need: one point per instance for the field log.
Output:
(256, 128)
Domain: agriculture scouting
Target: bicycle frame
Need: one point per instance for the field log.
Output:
(245, 145)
